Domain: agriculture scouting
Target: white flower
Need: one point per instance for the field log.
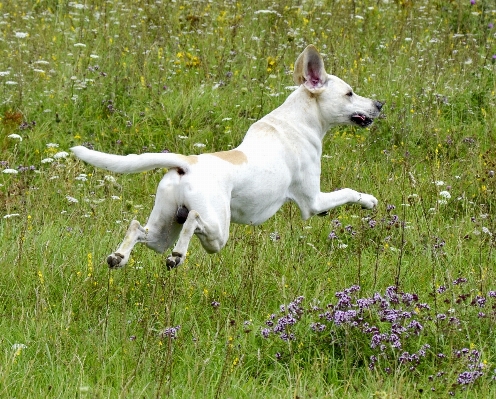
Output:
(77, 5)
(47, 160)
(18, 346)
(11, 215)
(439, 183)
(38, 70)
(10, 82)
(15, 136)
(485, 230)
(61, 154)
(81, 177)
(109, 178)
(71, 199)
(442, 202)
(343, 246)
(199, 145)
(445, 194)
(41, 62)
(10, 171)
(115, 197)
(79, 45)
(21, 35)
(52, 145)
(4, 73)
(94, 56)
(182, 137)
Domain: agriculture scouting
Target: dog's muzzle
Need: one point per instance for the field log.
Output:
(363, 120)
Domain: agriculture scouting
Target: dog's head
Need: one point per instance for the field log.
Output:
(338, 104)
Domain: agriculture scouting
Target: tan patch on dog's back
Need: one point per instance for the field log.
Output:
(191, 159)
(235, 157)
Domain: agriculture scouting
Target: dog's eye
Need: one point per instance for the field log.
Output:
(349, 94)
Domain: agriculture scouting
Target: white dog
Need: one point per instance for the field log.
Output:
(278, 161)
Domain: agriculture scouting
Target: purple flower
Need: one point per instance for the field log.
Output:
(460, 281)
(392, 294)
(468, 377)
(332, 235)
(395, 341)
(341, 317)
(415, 326)
(472, 2)
(170, 332)
(215, 304)
(317, 327)
(265, 332)
(364, 303)
(441, 289)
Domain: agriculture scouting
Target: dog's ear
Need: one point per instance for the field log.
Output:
(309, 70)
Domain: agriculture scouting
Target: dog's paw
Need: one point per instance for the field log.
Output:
(367, 201)
(116, 260)
(174, 260)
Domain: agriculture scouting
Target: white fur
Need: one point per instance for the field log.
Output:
(278, 161)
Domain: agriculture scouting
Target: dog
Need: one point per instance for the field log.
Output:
(277, 161)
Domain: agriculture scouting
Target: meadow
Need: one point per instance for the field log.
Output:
(398, 302)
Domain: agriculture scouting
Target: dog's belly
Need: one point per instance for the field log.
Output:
(253, 213)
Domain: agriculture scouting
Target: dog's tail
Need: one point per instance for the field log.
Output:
(133, 163)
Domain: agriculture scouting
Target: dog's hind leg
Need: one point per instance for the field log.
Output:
(135, 233)
(159, 233)
(192, 224)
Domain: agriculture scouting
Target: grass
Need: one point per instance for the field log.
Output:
(190, 77)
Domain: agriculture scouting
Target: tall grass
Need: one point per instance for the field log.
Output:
(277, 313)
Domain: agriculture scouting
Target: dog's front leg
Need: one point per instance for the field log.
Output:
(326, 201)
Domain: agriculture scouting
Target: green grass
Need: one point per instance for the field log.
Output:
(190, 77)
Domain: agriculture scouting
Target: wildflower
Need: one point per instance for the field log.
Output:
(21, 35)
(11, 215)
(317, 327)
(274, 236)
(441, 289)
(445, 194)
(215, 304)
(15, 137)
(79, 45)
(47, 160)
(4, 73)
(332, 235)
(71, 199)
(468, 377)
(170, 332)
(52, 145)
(10, 83)
(10, 171)
(61, 154)
(265, 332)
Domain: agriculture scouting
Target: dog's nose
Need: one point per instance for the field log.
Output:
(378, 105)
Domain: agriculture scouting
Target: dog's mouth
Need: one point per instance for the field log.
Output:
(361, 120)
